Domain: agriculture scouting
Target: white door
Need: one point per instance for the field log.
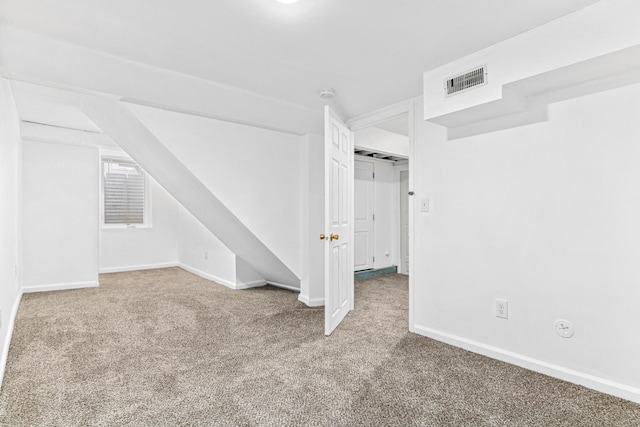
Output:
(338, 185)
(362, 215)
(404, 222)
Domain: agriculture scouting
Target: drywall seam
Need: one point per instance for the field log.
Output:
(576, 377)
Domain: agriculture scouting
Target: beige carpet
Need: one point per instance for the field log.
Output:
(164, 347)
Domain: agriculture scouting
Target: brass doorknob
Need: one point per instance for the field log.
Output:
(322, 237)
(334, 237)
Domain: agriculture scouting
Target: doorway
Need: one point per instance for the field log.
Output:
(339, 276)
(381, 226)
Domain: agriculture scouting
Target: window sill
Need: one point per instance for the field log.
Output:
(124, 226)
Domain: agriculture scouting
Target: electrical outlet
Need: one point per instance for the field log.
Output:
(502, 308)
(206, 254)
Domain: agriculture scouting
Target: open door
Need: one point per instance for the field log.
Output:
(338, 187)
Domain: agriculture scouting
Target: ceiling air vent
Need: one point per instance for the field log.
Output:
(465, 81)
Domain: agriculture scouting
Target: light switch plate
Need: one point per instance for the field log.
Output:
(424, 205)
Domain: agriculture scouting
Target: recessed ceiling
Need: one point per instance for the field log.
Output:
(372, 52)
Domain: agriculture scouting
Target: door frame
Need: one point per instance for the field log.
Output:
(394, 111)
(397, 195)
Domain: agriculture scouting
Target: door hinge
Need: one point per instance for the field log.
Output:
(374, 259)
(374, 175)
(374, 217)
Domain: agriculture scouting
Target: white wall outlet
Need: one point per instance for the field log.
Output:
(424, 205)
(502, 308)
(564, 328)
(206, 254)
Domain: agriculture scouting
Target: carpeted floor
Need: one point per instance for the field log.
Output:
(164, 347)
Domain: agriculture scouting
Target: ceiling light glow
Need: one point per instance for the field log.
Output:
(287, 1)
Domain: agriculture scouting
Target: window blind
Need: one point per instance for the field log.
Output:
(124, 192)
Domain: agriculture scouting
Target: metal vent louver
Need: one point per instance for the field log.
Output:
(465, 81)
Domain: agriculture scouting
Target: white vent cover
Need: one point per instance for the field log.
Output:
(465, 81)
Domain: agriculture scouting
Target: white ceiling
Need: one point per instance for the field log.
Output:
(372, 52)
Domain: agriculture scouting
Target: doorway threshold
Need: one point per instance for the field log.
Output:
(375, 272)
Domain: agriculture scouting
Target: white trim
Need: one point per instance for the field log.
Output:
(59, 287)
(305, 231)
(316, 302)
(138, 267)
(221, 281)
(280, 285)
(581, 378)
(397, 170)
(384, 114)
(412, 213)
(249, 285)
(7, 341)
(208, 276)
(42, 132)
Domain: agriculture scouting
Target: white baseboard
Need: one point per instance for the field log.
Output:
(280, 285)
(138, 267)
(208, 276)
(316, 302)
(7, 340)
(249, 285)
(590, 381)
(59, 287)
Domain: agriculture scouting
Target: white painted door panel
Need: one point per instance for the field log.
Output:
(338, 219)
(363, 234)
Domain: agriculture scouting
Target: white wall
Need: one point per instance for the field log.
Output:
(256, 173)
(546, 216)
(146, 247)
(60, 215)
(600, 29)
(313, 293)
(175, 238)
(382, 141)
(194, 240)
(10, 160)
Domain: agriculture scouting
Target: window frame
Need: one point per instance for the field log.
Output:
(121, 155)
